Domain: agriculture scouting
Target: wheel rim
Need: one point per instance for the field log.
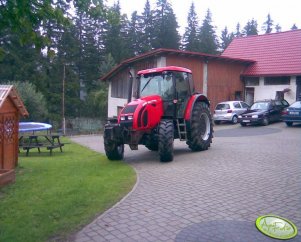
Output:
(119, 149)
(205, 126)
(234, 120)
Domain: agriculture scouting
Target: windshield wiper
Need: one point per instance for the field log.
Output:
(147, 83)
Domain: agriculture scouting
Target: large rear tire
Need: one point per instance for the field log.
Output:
(166, 138)
(113, 150)
(201, 132)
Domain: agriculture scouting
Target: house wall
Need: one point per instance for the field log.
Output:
(194, 64)
(269, 91)
(224, 81)
(121, 80)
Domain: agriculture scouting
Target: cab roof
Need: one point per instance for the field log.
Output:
(166, 68)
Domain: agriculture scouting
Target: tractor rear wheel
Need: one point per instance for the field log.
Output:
(166, 137)
(201, 132)
(113, 150)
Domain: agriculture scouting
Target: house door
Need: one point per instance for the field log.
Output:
(249, 95)
(298, 90)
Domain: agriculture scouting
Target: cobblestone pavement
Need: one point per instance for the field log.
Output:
(214, 195)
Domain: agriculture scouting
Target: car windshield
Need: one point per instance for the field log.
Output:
(260, 106)
(222, 106)
(156, 84)
(296, 105)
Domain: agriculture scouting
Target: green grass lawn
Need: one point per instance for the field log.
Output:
(54, 196)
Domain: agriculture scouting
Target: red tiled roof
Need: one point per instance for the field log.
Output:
(275, 54)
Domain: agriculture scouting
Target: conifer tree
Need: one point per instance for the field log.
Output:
(165, 31)
(238, 33)
(135, 34)
(226, 38)
(147, 28)
(250, 28)
(268, 25)
(294, 27)
(207, 36)
(278, 28)
(190, 38)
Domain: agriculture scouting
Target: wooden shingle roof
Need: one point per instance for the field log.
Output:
(9, 91)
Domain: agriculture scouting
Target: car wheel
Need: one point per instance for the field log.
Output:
(289, 124)
(234, 119)
(265, 121)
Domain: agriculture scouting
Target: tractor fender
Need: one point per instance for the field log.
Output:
(191, 102)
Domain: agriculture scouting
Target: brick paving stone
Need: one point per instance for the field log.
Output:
(238, 179)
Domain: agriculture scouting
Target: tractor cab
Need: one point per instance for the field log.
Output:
(173, 84)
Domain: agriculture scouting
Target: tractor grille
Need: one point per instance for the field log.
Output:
(126, 123)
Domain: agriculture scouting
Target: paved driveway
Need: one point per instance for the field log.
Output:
(215, 195)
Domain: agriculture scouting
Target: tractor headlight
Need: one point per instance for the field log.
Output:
(255, 116)
(130, 117)
(122, 118)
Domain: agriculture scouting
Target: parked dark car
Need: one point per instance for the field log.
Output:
(263, 112)
(292, 114)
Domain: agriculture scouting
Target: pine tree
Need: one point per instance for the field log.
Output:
(190, 38)
(268, 25)
(166, 34)
(135, 34)
(294, 27)
(238, 33)
(207, 36)
(147, 28)
(278, 28)
(116, 39)
(250, 28)
(226, 38)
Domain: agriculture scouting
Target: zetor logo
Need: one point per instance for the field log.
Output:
(276, 227)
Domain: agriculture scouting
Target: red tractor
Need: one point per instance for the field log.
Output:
(166, 108)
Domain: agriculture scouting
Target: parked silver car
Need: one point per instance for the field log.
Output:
(229, 111)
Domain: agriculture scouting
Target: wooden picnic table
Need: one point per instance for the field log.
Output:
(37, 141)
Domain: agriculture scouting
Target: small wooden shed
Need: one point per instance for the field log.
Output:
(11, 108)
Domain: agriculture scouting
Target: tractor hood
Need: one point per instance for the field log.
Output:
(142, 113)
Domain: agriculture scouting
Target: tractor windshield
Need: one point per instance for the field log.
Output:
(156, 84)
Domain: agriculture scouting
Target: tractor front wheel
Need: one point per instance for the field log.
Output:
(201, 132)
(113, 150)
(166, 138)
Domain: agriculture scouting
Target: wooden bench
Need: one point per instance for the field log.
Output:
(51, 147)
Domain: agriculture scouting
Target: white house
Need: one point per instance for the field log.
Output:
(276, 71)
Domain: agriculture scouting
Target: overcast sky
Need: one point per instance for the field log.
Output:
(227, 12)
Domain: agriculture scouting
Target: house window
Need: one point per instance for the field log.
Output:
(278, 80)
(252, 81)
